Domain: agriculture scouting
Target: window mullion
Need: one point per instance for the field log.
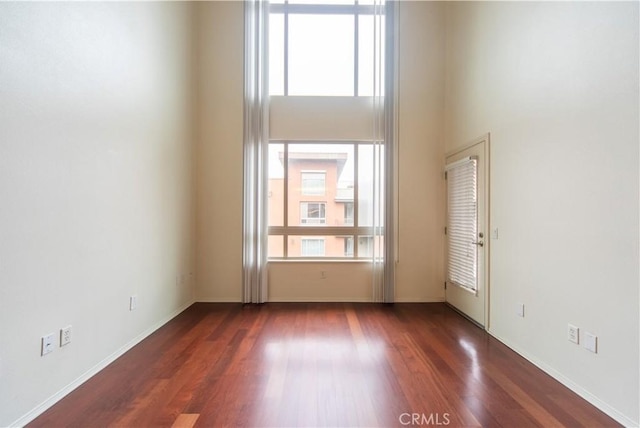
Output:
(286, 48)
(356, 35)
(285, 197)
(356, 181)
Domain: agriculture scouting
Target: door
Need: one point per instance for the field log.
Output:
(467, 241)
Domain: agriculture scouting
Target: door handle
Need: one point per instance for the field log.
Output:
(479, 243)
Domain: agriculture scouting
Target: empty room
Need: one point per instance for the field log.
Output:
(319, 213)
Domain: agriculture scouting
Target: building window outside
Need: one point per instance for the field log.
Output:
(313, 247)
(313, 183)
(313, 213)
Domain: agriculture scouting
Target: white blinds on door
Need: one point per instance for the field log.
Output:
(462, 223)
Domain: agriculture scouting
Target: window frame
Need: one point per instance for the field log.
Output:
(310, 230)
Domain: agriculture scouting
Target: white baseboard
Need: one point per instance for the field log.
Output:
(420, 300)
(604, 407)
(320, 300)
(46, 404)
(219, 300)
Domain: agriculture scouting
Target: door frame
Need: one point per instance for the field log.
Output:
(486, 139)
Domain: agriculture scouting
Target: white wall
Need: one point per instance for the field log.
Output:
(220, 41)
(556, 84)
(95, 186)
(420, 274)
(420, 271)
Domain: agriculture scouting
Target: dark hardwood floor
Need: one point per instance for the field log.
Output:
(321, 365)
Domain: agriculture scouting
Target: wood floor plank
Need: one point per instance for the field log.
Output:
(321, 364)
(185, 420)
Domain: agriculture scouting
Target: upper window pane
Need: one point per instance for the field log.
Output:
(321, 55)
(367, 59)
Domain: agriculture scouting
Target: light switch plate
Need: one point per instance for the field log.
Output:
(47, 344)
(591, 342)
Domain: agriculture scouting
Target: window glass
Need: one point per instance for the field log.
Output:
(335, 247)
(312, 247)
(276, 54)
(276, 185)
(365, 246)
(348, 212)
(320, 191)
(321, 55)
(366, 58)
(306, 162)
(276, 246)
(348, 246)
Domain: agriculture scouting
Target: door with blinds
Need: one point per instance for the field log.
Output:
(466, 231)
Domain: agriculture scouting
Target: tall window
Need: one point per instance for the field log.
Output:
(325, 179)
(330, 85)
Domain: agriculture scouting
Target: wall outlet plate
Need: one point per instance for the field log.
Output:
(520, 309)
(65, 336)
(573, 333)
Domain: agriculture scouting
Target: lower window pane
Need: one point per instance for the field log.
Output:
(276, 246)
(320, 184)
(368, 244)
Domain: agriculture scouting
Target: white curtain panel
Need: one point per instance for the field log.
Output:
(256, 110)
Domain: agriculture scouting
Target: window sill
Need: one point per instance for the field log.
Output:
(317, 261)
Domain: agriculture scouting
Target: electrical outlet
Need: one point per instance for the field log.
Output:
(47, 344)
(573, 334)
(133, 302)
(520, 309)
(65, 336)
(591, 342)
